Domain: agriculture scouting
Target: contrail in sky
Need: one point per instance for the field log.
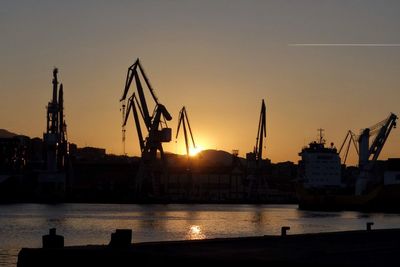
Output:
(348, 45)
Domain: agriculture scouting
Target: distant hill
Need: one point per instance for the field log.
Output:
(6, 134)
(209, 157)
(216, 156)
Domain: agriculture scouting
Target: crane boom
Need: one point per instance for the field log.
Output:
(382, 136)
(186, 143)
(143, 104)
(132, 72)
(190, 130)
(349, 139)
(129, 77)
(184, 120)
(148, 82)
(132, 106)
(261, 133)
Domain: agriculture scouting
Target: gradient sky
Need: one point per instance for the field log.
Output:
(218, 58)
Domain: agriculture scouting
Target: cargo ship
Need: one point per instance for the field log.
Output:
(324, 182)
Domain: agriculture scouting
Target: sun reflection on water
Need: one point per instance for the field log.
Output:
(195, 232)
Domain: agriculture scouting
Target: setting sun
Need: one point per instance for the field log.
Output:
(195, 150)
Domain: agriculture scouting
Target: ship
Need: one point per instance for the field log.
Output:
(325, 183)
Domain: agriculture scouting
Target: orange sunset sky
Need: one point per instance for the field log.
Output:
(218, 58)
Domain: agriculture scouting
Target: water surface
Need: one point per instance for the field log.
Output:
(22, 225)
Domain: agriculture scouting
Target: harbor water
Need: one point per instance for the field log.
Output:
(22, 225)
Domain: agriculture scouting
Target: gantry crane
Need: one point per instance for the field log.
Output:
(368, 155)
(184, 121)
(155, 126)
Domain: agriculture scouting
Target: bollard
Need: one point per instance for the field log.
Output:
(284, 229)
(121, 238)
(52, 240)
(369, 225)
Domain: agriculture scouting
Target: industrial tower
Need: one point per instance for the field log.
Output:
(52, 180)
(55, 138)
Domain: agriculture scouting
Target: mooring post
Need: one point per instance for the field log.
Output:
(369, 225)
(284, 229)
(52, 240)
(121, 238)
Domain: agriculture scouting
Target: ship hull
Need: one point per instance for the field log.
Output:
(381, 198)
(388, 199)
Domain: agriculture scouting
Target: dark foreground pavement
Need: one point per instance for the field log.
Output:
(354, 248)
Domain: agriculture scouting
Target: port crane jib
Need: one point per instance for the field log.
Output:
(134, 106)
(132, 73)
(261, 133)
(348, 140)
(184, 121)
(368, 155)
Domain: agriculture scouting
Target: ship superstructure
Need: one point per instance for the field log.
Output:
(320, 166)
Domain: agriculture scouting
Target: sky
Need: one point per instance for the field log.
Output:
(318, 64)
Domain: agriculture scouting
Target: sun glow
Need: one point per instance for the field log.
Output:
(195, 232)
(193, 151)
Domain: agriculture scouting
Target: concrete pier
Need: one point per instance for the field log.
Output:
(353, 248)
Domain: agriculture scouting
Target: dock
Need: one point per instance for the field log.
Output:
(350, 248)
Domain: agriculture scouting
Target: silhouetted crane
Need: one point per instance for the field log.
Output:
(261, 133)
(156, 129)
(368, 155)
(257, 186)
(184, 121)
(349, 139)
